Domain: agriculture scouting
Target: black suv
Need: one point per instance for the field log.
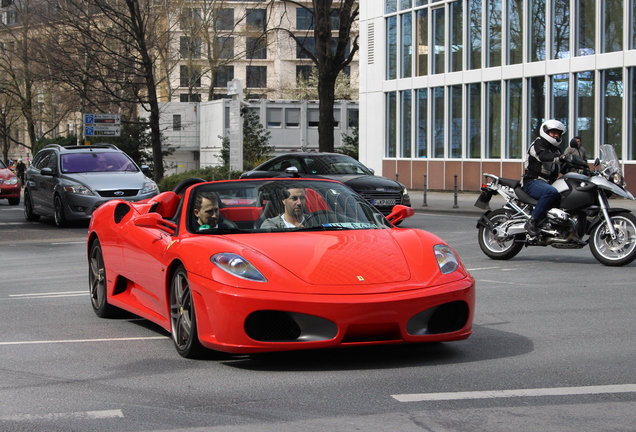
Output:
(69, 183)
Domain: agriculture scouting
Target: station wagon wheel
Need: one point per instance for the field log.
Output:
(97, 282)
(58, 212)
(182, 317)
(28, 208)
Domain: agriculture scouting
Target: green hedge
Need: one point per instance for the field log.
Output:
(209, 173)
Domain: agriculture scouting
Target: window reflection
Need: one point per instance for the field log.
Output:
(561, 29)
(586, 28)
(456, 34)
(391, 42)
(422, 42)
(438, 122)
(439, 40)
(536, 94)
(560, 99)
(455, 121)
(405, 113)
(612, 25)
(474, 37)
(515, 31)
(613, 108)
(536, 26)
(494, 33)
(473, 141)
(514, 109)
(585, 106)
(493, 120)
(407, 45)
(422, 122)
(391, 126)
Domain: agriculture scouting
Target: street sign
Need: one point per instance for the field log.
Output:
(100, 130)
(102, 119)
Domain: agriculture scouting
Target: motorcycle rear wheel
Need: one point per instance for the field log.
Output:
(493, 246)
(619, 251)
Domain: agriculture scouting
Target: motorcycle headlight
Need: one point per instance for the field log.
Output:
(446, 258)
(11, 181)
(149, 186)
(616, 178)
(78, 189)
(237, 266)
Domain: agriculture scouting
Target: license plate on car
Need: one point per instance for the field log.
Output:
(383, 202)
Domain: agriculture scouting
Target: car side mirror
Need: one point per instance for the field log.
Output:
(146, 170)
(154, 220)
(47, 172)
(399, 213)
(597, 162)
(292, 170)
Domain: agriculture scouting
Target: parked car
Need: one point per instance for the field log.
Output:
(9, 185)
(69, 183)
(381, 192)
(244, 283)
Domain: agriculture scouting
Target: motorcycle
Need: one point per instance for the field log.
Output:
(582, 217)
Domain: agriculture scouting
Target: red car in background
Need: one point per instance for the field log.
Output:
(347, 276)
(10, 186)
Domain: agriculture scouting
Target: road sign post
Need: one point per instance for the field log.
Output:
(102, 125)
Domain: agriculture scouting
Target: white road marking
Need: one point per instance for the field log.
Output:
(494, 394)
(90, 415)
(83, 340)
(50, 295)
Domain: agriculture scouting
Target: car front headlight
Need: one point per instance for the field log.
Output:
(237, 266)
(446, 258)
(11, 181)
(149, 186)
(78, 189)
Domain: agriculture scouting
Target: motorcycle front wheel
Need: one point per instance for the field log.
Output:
(493, 246)
(617, 251)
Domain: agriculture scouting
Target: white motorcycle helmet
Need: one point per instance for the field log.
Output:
(552, 125)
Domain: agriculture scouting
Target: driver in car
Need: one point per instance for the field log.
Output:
(206, 210)
(294, 211)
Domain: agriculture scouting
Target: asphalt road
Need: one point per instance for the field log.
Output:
(553, 349)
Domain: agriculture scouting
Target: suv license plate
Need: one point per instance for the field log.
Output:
(383, 202)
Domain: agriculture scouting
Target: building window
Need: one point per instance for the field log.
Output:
(223, 75)
(391, 125)
(439, 44)
(493, 56)
(473, 105)
(493, 120)
(407, 45)
(189, 48)
(536, 26)
(612, 22)
(633, 26)
(586, 28)
(292, 117)
(515, 32)
(309, 43)
(336, 118)
(391, 48)
(585, 106)
(560, 98)
(438, 122)
(313, 117)
(422, 42)
(631, 136)
(304, 19)
(256, 76)
(186, 97)
(189, 76)
(256, 48)
(612, 108)
(422, 123)
(176, 122)
(191, 18)
(225, 19)
(456, 118)
(353, 116)
(390, 6)
(561, 29)
(514, 120)
(225, 47)
(405, 130)
(257, 19)
(274, 117)
(456, 36)
(536, 106)
(405, 4)
(474, 36)
(303, 73)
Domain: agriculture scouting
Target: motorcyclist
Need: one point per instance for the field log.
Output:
(542, 169)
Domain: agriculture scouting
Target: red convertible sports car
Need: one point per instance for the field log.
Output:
(250, 266)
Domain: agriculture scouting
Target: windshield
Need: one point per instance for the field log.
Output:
(335, 164)
(97, 162)
(279, 205)
(609, 160)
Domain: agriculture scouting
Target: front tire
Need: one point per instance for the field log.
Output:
(97, 282)
(183, 322)
(619, 251)
(58, 212)
(493, 246)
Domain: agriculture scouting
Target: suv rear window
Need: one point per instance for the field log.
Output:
(96, 162)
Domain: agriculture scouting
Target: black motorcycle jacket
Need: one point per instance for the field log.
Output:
(542, 162)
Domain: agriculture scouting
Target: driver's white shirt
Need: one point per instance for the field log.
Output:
(288, 224)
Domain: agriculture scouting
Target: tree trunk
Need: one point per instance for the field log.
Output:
(326, 89)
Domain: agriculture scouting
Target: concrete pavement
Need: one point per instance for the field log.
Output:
(464, 202)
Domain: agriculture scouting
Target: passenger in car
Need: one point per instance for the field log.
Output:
(293, 214)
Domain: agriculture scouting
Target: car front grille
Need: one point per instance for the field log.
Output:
(118, 193)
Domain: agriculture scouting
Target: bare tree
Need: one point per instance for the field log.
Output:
(330, 53)
(108, 51)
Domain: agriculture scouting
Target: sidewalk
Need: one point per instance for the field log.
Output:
(464, 203)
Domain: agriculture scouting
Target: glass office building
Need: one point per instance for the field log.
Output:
(465, 84)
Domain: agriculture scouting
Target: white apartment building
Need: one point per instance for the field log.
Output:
(460, 87)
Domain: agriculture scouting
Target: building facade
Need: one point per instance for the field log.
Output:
(465, 84)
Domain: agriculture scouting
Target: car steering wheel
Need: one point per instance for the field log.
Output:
(184, 184)
(320, 217)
